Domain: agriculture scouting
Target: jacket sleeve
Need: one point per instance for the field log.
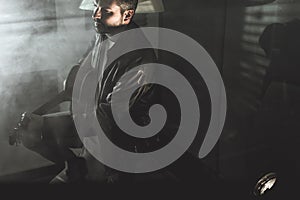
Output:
(140, 78)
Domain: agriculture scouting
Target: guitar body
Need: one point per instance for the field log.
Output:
(55, 129)
(60, 129)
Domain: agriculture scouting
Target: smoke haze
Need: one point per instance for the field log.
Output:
(39, 43)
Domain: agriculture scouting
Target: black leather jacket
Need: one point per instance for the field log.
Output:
(141, 100)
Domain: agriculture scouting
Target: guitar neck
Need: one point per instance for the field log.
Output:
(43, 109)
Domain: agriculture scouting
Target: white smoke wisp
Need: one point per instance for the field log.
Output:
(39, 43)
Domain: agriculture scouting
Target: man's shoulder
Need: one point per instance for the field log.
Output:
(135, 43)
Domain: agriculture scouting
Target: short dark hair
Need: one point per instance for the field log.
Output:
(127, 4)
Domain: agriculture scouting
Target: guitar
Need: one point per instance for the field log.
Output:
(33, 122)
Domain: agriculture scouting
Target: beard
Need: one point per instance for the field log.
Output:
(101, 28)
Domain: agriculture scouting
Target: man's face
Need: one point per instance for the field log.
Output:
(108, 16)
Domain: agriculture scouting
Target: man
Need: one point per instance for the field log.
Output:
(110, 18)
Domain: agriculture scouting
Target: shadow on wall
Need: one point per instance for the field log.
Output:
(245, 68)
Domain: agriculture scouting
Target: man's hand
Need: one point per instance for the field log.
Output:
(32, 133)
(28, 130)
